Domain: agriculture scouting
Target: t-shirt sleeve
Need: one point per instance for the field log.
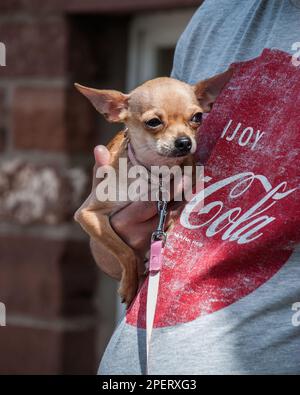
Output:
(177, 61)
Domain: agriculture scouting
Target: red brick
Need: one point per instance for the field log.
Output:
(32, 6)
(34, 47)
(8, 5)
(81, 123)
(46, 278)
(2, 139)
(53, 119)
(39, 119)
(29, 350)
(2, 121)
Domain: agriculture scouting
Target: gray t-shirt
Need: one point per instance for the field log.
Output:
(259, 332)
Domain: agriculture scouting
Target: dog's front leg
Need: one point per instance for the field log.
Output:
(97, 225)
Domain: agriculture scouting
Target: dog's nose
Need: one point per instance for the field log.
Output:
(183, 145)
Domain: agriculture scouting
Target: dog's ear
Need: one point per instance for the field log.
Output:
(112, 104)
(208, 90)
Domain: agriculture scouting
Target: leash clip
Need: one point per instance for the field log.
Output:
(158, 238)
(159, 234)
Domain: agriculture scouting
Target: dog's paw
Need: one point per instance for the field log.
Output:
(127, 294)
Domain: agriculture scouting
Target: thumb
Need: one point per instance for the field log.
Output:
(102, 155)
(102, 158)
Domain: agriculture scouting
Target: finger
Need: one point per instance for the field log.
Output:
(102, 155)
(138, 235)
(138, 212)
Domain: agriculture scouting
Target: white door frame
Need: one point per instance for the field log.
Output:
(149, 32)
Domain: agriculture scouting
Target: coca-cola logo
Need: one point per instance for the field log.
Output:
(200, 275)
(234, 224)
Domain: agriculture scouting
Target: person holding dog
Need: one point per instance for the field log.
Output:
(228, 318)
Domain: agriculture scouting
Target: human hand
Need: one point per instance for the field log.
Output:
(134, 224)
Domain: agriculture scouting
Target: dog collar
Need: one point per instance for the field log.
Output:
(132, 157)
(135, 162)
(131, 154)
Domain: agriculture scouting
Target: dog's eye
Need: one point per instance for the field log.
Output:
(153, 123)
(197, 118)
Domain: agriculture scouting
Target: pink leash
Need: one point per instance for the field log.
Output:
(156, 252)
(158, 240)
(156, 256)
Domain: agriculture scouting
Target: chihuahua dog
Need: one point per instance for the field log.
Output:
(161, 118)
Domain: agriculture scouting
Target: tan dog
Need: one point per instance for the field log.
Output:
(162, 117)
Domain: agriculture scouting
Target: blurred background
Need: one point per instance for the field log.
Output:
(61, 310)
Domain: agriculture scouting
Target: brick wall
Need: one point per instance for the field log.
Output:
(58, 317)
(48, 280)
